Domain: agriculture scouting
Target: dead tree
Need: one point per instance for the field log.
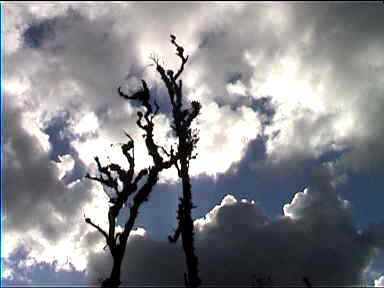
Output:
(130, 190)
(187, 140)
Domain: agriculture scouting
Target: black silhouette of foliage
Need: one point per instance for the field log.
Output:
(187, 140)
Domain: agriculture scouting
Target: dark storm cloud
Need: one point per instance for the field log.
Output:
(32, 188)
(158, 216)
(237, 241)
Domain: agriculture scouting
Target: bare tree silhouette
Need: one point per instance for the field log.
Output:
(187, 140)
(130, 190)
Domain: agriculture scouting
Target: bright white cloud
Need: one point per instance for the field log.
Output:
(87, 124)
(237, 88)
(210, 217)
(65, 164)
(379, 282)
(305, 124)
(224, 135)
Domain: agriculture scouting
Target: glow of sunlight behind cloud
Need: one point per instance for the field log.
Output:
(87, 124)
(289, 89)
(65, 164)
(224, 135)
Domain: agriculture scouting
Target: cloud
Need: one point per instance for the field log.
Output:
(22, 270)
(42, 213)
(379, 282)
(317, 75)
(296, 82)
(224, 135)
(33, 189)
(74, 60)
(236, 241)
(323, 83)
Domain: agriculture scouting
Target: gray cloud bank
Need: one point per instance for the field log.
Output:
(237, 242)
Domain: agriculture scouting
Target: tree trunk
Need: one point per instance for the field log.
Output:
(192, 278)
(114, 279)
(118, 252)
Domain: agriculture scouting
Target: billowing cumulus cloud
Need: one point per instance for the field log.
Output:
(237, 242)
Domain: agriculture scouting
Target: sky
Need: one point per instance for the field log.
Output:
(289, 174)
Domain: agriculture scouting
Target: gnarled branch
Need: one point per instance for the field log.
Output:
(97, 227)
(180, 53)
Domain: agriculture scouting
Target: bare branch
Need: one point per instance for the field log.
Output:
(140, 197)
(126, 148)
(154, 58)
(103, 181)
(138, 122)
(165, 151)
(116, 168)
(181, 69)
(141, 95)
(166, 81)
(130, 158)
(194, 156)
(178, 168)
(157, 108)
(110, 182)
(88, 221)
(129, 136)
(180, 53)
(173, 238)
(122, 94)
(162, 159)
(139, 176)
(192, 113)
